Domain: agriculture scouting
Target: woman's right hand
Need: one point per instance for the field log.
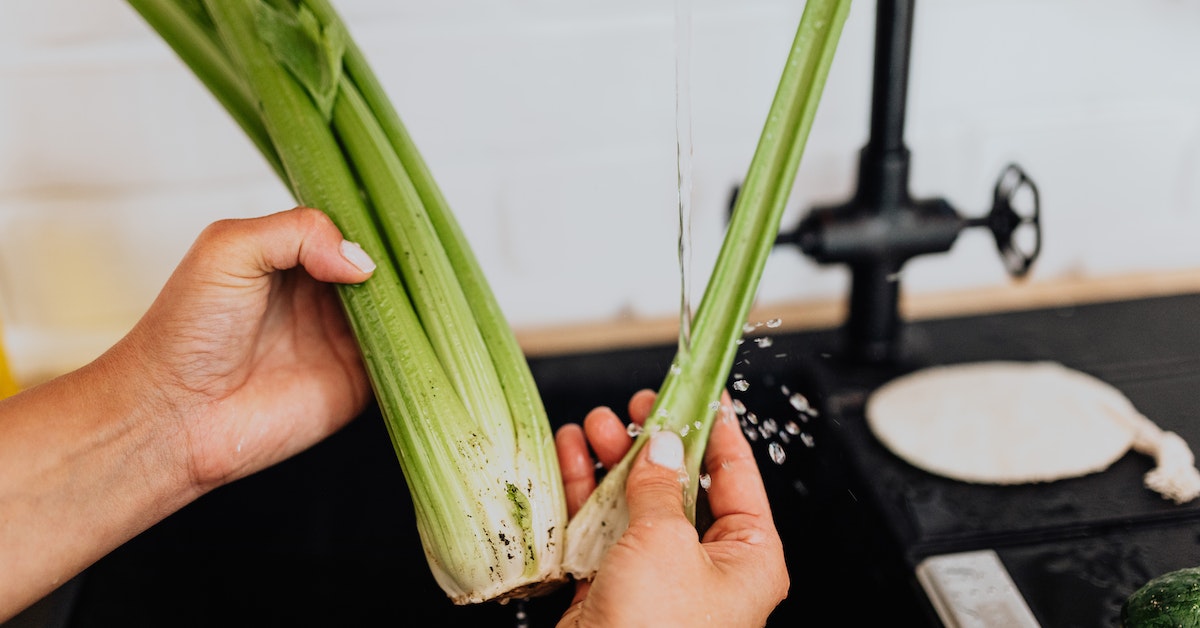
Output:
(661, 572)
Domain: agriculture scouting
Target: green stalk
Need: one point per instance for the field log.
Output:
(535, 438)
(441, 306)
(447, 319)
(692, 388)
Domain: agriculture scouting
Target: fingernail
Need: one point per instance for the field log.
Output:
(357, 256)
(666, 449)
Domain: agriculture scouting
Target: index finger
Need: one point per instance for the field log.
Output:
(578, 470)
(737, 485)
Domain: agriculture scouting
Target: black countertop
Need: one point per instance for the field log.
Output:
(328, 537)
(1075, 548)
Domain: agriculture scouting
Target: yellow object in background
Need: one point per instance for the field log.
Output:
(8, 385)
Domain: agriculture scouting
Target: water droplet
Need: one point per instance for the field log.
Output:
(714, 406)
(791, 428)
(778, 455)
(633, 429)
(764, 342)
(771, 427)
(685, 430)
(774, 323)
(784, 438)
(752, 418)
(739, 407)
(750, 327)
(751, 434)
(807, 439)
(705, 481)
(786, 391)
(799, 402)
(741, 385)
(741, 340)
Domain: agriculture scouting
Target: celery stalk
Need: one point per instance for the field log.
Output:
(691, 390)
(457, 396)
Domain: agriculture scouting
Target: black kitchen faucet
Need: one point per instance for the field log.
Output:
(881, 227)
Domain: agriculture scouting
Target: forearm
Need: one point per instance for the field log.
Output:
(86, 463)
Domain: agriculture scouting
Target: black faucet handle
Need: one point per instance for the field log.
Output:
(1015, 220)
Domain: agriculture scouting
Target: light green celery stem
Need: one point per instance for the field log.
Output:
(491, 319)
(698, 377)
(403, 369)
(427, 273)
(197, 47)
(536, 439)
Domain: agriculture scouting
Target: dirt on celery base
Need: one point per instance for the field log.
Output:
(523, 592)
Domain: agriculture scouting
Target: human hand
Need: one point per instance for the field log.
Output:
(244, 359)
(660, 572)
(247, 350)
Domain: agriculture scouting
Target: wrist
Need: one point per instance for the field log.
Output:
(143, 418)
(86, 463)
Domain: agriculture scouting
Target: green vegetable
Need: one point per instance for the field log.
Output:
(1171, 600)
(690, 393)
(459, 401)
(456, 393)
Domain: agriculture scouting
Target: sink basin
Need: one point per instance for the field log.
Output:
(328, 537)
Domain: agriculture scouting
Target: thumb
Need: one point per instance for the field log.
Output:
(252, 248)
(655, 485)
(308, 237)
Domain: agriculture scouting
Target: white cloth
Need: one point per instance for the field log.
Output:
(1022, 422)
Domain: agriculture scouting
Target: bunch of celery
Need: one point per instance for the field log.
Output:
(690, 393)
(460, 403)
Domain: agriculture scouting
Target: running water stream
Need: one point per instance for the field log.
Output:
(683, 163)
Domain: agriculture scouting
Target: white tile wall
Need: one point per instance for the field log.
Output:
(550, 127)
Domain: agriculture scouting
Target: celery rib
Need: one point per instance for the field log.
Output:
(699, 371)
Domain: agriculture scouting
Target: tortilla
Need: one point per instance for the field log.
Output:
(1003, 422)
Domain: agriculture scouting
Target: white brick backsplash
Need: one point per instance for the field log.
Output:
(550, 127)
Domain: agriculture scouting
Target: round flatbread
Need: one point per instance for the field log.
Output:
(1003, 422)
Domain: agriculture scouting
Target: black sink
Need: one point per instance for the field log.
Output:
(328, 537)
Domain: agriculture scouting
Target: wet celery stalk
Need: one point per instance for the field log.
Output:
(689, 396)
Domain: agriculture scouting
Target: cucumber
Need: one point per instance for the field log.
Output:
(1171, 600)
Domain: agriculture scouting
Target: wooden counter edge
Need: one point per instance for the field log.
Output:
(822, 314)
